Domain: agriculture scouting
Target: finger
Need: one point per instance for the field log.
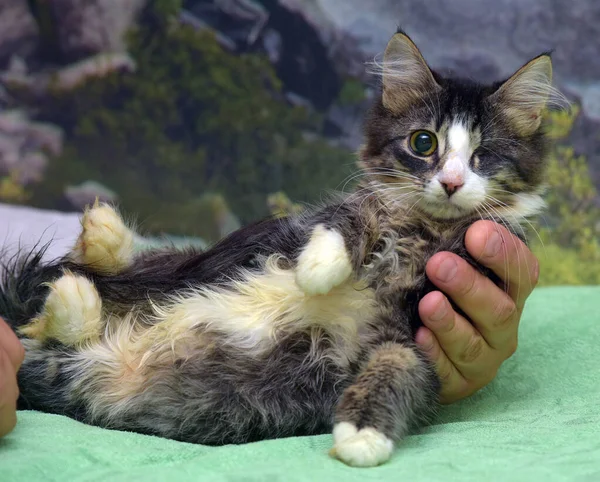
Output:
(9, 393)
(495, 247)
(492, 311)
(453, 384)
(464, 346)
(11, 345)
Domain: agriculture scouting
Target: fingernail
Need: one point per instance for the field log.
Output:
(439, 312)
(493, 245)
(447, 270)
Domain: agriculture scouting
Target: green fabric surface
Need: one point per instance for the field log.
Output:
(538, 421)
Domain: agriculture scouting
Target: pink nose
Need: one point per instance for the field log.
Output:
(451, 187)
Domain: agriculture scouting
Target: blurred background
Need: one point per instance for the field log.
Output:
(197, 116)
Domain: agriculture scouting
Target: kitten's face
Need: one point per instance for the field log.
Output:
(455, 149)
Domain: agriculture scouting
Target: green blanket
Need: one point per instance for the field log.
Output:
(538, 421)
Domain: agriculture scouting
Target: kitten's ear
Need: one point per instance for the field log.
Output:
(524, 96)
(406, 76)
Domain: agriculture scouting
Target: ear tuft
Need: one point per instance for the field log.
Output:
(525, 95)
(406, 76)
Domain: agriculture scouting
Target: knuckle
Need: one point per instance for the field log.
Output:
(465, 388)
(473, 350)
(445, 375)
(459, 390)
(446, 325)
(511, 347)
(505, 314)
(534, 276)
(469, 286)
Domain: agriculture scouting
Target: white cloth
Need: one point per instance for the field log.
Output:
(23, 227)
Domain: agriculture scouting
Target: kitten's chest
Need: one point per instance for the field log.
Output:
(409, 250)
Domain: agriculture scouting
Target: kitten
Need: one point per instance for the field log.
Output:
(291, 326)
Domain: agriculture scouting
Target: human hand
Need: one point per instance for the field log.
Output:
(467, 355)
(11, 357)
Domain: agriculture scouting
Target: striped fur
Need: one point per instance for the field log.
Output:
(289, 326)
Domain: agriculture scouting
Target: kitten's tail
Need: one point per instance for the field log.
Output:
(44, 375)
(22, 284)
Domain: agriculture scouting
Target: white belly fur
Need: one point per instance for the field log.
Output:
(255, 312)
(252, 314)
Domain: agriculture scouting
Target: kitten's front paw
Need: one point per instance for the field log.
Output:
(360, 448)
(105, 243)
(71, 314)
(324, 262)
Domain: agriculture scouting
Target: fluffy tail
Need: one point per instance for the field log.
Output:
(43, 380)
(22, 284)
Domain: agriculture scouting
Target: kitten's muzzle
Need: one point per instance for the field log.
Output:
(453, 174)
(451, 186)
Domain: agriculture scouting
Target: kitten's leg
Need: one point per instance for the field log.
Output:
(396, 390)
(324, 262)
(72, 313)
(105, 244)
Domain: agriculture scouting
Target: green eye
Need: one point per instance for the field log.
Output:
(423, 143)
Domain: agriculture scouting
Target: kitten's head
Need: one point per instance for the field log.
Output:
(453, 148)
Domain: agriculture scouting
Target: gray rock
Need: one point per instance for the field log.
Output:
(46, 137)
(19, 34)
(349, 121)
(272, 44)
(24, 145)
(247, 10)
(32, 166)
(188, 18)
(87, 192)
(343, 47)
(298, 101)
(589, 96)
(99, 65)
(241, 21)
(90, 27)
(37, 84)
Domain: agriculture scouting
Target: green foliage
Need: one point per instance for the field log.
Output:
(12, 191)
(192, 119)
(165, 9)
(569, 248)
(565, 266)
(352, 92)
(281, 205)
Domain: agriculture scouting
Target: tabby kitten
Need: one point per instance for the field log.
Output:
(291, 326)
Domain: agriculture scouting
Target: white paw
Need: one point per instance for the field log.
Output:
(324, 262)
(73, 310)
(360, 448)
(105, 243)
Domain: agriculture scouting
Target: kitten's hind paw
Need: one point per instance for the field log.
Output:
(72, 313)
(360, 448)
(105, 243)
(324, 262)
